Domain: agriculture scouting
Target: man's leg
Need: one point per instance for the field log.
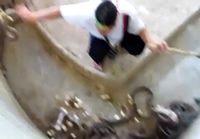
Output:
(98, 49)
(133, 44)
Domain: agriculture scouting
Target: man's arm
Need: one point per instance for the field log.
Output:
(153, 45)
(32, 17)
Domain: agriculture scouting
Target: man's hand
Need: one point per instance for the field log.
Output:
(25, 14)
(159, 47)
(154, 46)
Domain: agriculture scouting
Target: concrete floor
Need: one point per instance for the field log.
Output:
(39, 79)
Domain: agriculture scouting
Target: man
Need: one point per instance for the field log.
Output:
(109, 22)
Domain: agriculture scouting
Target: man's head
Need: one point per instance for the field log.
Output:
(106, 14)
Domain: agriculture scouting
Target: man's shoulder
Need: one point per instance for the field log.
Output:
(125, 7)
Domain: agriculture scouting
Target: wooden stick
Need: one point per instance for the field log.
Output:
(184, 52)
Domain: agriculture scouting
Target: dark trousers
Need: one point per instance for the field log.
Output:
(100, 48)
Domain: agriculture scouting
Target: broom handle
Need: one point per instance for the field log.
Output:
(184, 52)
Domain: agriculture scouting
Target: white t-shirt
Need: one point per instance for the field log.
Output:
(83, 15)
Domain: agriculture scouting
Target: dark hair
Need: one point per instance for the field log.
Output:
(106, 13)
